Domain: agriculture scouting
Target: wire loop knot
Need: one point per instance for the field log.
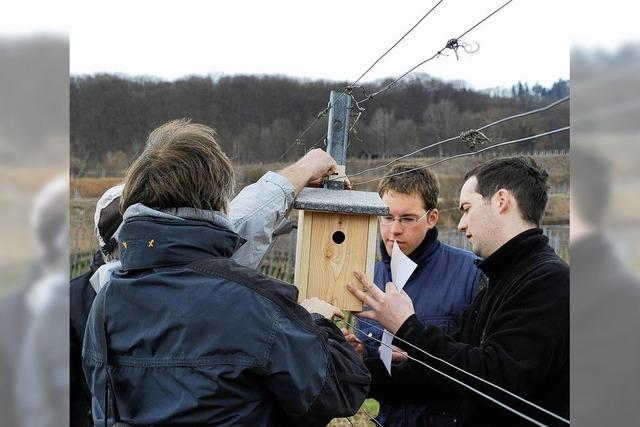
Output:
(473, 137)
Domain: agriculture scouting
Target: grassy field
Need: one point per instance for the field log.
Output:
(369, 409)
(450, 174)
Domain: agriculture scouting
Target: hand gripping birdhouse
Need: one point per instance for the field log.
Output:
(337, 234)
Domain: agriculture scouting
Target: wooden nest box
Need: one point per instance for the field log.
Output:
(337, 234)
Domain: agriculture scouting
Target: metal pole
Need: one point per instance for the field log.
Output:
(338, 135)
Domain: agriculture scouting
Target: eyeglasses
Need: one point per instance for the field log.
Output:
(405, 221)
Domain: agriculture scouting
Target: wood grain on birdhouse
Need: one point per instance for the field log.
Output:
(331, 246)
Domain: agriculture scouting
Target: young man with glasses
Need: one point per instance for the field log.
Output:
(441, 286)
(515, 333)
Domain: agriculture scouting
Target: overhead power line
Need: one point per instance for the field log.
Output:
(497, 387)
(462, 383)
(396, 43)
(462, 135)
(473, 153)
(324, 112)
(452, 44)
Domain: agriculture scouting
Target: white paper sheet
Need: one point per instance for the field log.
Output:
(401, 269)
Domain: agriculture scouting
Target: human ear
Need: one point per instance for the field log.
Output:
(432, 218)
(503, 200)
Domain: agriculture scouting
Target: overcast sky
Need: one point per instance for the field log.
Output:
(336, 40)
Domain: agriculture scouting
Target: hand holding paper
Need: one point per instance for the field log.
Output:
(401, 269)
(398, 355)
(390, 308)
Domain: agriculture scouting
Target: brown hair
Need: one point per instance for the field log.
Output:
(520, 175)
(181, 166)
(421, 181)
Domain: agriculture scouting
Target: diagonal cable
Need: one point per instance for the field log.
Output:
(465, 372)
(486, 396)
(484, 19)
(347, 89)
(369, 97)
(323, 112)
(371, 417)
(298, 140)
(515, 116)
(451, 44)
(528, 138)
(396, 44)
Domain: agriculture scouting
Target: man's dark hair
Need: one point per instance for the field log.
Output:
(590, 184)
(421, 181)
(522, 177)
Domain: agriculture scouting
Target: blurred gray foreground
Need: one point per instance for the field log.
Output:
(34, 227)
(605, 231)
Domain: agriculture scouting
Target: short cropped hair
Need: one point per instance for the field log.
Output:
(181, 166)
(421, 182)
(522, 176)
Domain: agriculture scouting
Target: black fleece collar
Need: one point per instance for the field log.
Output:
(508, 255)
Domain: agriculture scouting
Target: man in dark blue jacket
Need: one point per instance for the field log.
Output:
(441, 286)
(189, 336)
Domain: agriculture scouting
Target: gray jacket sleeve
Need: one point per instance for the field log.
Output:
(256, 212)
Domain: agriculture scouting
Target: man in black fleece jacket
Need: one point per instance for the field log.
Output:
(515, 333)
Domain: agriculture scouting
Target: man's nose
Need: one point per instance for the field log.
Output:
(396, 228)
(462, 225)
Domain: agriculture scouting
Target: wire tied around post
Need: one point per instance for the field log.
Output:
(473, 138)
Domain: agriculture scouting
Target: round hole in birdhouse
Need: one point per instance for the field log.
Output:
(338, 237)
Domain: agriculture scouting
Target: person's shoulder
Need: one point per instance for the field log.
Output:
(231, 269)
(228, 269)
(275, 292)
(459, 253)
(549, 273)
(80, 286)
(549, 262)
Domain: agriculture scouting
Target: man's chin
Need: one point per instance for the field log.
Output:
(389, 246)
(403, 248)
(389, 249)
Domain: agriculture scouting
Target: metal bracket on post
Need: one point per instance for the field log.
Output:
(338, 136)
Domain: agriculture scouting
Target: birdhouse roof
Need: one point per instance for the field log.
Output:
(340, 201)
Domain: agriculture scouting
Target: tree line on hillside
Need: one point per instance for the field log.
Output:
(259, 117)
